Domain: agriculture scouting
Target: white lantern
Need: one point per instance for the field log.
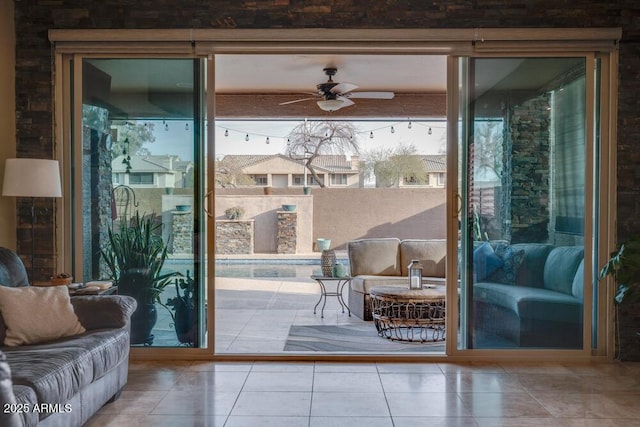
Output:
(415, 274)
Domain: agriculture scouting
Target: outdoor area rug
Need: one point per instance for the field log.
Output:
(351, 339)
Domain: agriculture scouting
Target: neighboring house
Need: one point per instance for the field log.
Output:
(166, 171)
(280, 171)
(435, 166)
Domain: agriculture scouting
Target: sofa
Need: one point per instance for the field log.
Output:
(528, 295)
(384, 261)
(64, 381)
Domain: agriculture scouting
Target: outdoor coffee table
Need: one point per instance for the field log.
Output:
(404, 314)
(340, 282)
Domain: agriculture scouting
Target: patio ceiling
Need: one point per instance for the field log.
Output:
(253, 86)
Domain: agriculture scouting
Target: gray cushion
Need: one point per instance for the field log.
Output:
(560, 268)
(56, 371)
(532, 266)
(374, 257)
(530, 303)
(12, 271)
(431, 253)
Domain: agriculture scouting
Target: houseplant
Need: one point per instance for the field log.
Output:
(182, 309)
(134, 255)
(624, 266)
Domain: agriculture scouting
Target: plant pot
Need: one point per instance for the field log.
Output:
(323, 244)
(142, 322)
(185, 323)
(289, 208)
(183, 208)
(267, 190)
(306, 190)
(628, 331)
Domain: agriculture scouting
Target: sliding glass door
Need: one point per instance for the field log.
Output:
(137, 182)
(526, 180)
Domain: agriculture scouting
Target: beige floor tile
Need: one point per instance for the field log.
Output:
(434, 422)
(414, 382)
(506, 405)
(212, 381)
(555, 422)
(346, 367)
(221, 366)
(346, 382)
(435, 404)
(134, 402)
(196, 402)
(183, 421)
(282, 367)
(483, 382)
(449, 368)
(287, 404)
(279, 381)
(262, 421)
(109, 420)
(351, 422)
(355, 404)
(422, 368)
(152, 380)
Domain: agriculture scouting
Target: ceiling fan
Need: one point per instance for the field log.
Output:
(335, 96)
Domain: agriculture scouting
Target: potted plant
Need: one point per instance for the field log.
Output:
(134, 255)
(234, 212)
(182, 309)
(624, 266)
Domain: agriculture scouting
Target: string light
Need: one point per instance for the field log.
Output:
(186, 126)
(309, 138)
(166, 127)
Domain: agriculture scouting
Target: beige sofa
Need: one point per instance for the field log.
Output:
(384, 261)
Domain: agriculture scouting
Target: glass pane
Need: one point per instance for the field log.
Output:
(140, 174)
(526, 202)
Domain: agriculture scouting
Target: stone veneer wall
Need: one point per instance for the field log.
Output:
(528, 181)
(234, 236)
(182, 232)
(287, 234)
(34, 74)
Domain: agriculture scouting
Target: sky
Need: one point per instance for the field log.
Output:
(177, 136)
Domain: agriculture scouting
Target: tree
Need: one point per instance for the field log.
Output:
(229, 175)
(131, 137)
(311, 139)
(390, 167)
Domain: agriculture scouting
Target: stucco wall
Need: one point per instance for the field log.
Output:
(7, 118)
(348, 213)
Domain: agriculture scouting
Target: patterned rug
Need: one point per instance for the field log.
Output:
(351, 339)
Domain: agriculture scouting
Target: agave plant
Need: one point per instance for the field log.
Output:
(135, 254)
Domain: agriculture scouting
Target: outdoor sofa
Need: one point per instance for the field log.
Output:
(529, 294)
(384, 261)
(64, 381)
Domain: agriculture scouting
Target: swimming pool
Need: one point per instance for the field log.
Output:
(256, 268)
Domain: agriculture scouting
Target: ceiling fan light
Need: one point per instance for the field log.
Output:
(330, 104)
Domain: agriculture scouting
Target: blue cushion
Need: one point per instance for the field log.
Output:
(511, 261)
(485, 261)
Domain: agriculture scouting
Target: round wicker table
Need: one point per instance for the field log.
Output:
(404, 314)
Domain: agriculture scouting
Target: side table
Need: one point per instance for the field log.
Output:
(340, 283)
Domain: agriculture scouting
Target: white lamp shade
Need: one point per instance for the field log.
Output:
(31, 178)
(330, 104)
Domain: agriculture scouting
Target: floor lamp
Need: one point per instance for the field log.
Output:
(32, 178)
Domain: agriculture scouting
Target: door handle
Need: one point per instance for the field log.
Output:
(205, 203)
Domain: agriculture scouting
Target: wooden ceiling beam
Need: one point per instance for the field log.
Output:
(262, 105)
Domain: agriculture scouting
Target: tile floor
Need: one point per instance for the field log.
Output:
(324, 394)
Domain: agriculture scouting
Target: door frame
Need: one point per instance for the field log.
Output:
(451, 42)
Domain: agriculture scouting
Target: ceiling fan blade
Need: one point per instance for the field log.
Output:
(346, 102)
(343, 88)
(297, 100)
(371, 95)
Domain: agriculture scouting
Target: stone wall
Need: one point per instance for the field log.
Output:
(234, 237)
(182, 232)
(530, 171)
(287, 234)
(34, 89)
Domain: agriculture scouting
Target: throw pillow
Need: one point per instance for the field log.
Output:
(485, 261)
(37, 314)
(511, 262)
